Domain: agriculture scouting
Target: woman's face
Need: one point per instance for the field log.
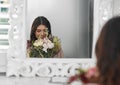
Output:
(41, 31)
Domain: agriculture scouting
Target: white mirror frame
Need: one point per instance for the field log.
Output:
(19, 65)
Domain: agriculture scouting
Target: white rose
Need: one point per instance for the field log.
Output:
(45, 47)
(50, 45)
(38, 43)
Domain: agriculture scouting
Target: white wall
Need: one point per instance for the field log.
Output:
(69, 21)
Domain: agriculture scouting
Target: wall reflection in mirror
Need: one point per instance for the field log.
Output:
(59, 28)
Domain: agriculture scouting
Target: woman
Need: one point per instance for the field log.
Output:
(41, 29)
(108, 53)
(107, 71)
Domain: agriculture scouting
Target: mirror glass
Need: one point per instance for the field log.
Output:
(71, 21)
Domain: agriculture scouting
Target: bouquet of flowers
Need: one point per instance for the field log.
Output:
(45, 48)
(84, 76)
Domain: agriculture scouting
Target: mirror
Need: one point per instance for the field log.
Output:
(71, 21)
(19, 65)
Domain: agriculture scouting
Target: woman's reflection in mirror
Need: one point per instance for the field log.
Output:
(42, 44)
